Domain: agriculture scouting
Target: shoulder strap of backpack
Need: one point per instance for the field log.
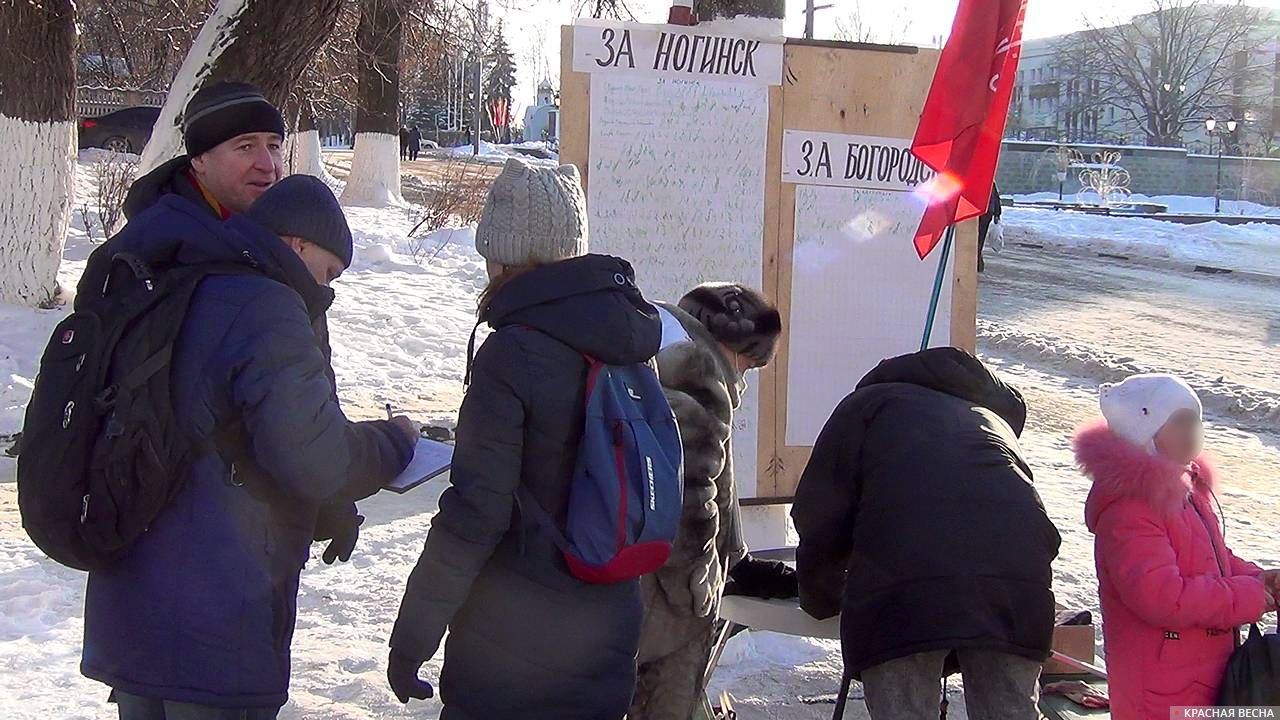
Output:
(527, 503)
(181, 280)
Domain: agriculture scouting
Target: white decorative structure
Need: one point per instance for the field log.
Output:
(1105, 178)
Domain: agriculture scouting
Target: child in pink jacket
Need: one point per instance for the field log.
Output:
(1172, 592)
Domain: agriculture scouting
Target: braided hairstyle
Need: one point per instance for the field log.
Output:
(738, 317)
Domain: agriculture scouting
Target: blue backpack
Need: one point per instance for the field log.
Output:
(627, 494)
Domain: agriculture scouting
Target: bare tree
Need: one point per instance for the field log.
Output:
(1164, 71)
(137, 43)
(264, 42)
(855, 26)
(374, 180)
(37, 122)
(712, 9)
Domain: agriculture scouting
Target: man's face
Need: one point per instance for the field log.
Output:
(240, 169)
(323, 265)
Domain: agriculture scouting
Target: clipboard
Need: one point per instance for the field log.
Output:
(431, 459)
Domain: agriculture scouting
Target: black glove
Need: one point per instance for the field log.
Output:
(768, 579)
(402, 673)
(339, 523)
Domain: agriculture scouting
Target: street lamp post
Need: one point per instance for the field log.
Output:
(1062, 178)
(1210, 125)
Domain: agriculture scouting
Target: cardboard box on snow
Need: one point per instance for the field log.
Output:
(1075, 641)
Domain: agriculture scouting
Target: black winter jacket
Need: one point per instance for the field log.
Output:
(918, 489)
(527, 639)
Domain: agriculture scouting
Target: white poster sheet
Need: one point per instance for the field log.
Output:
(676, 185)
(674, 51)
(859, 294)
(862, 161)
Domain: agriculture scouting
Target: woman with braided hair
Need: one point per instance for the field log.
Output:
(710, 340)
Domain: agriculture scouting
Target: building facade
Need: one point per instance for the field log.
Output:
(1060, 96)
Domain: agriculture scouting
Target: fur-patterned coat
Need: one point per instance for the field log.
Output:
(683, 598)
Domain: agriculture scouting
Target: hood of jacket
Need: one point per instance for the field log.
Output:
(168, 179)
(957, 373)
(176, 230)
(590, 303)
(1121, 470)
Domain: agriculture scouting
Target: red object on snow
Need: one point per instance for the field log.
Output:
(962, 123)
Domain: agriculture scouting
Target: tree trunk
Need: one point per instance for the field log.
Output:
(304, 155)
(375, 164)
(264, 42)
(37, 167)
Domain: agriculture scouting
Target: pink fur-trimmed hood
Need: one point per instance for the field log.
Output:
(1121, 470)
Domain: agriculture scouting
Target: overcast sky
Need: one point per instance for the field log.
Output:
(534, 35)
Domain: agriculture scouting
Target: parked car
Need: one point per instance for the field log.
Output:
(125, 131)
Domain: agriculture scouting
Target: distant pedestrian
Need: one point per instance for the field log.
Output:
(1172, 592)
(920, 527)
(986, 220)
(404, 143)
(415, 142)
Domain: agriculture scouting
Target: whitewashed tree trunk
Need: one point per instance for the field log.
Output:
(37, 166)
(214, 39)
(375, 171)
(305, 158)
(375, 164)
(37, 173)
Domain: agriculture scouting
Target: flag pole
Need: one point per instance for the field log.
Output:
(937, 285)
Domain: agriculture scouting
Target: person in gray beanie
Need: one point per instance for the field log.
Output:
(715, 335)
(527, 639)
(534, 216)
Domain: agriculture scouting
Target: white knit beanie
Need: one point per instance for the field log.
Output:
(1137, 408)
(534, 216)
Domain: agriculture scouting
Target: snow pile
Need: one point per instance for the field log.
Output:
(1181, 204)
(1253, 247)
(531, 151)
(1251, 407)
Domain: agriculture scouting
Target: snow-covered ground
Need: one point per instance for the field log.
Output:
(1056, 320)
(1189, 204)
(526, 150)
(1253, 247)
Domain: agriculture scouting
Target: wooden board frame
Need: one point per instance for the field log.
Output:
(835, 87)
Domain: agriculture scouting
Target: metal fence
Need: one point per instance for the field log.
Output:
(95, 100)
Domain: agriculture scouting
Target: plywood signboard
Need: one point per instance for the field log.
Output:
(784, 166)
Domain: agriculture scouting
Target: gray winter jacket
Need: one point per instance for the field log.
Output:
(704, 390)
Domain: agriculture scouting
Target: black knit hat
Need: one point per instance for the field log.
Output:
(737, 316)
(302, 206)
(221, 111)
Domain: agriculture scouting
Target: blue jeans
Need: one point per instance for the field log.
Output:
(133, 707)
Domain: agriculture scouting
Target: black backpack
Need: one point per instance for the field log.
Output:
(101, 454)
(1252, 678)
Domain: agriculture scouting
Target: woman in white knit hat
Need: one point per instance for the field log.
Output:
(1172, 593)
(526, 638)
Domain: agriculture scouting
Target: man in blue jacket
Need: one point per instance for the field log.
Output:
(197, 620)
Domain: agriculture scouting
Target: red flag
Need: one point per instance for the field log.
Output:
(962, 123)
